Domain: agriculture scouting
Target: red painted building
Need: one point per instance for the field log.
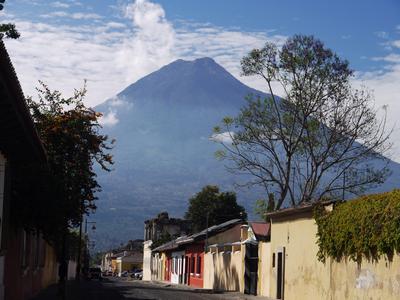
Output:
(194, 254)
(184, 256)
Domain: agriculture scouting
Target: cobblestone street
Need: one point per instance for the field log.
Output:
(117, 289)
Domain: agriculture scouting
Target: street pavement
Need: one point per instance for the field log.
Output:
(118, 289)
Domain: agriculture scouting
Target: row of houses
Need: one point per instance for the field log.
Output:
(119, 262)
(127, 258)
(277, 259)
(28, 263)
(223, 257)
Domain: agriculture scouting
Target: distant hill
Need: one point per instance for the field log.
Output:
(163, 155)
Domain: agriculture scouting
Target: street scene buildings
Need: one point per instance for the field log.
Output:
(277, 259)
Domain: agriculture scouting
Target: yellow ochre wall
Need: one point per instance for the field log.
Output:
(223, 265)
(50, 268)
(223, 270)
(307, 278)
(264, 267)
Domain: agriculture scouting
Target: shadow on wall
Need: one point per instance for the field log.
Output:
(226, 277)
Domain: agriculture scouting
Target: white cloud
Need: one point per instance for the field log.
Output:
(63, 57)
(224, 137)
(55, 14)
(386, 87)
(150, 44)
(109, 119)
(76, 16)
(117, 102)
(115, 25)
(59, 4)
(382, 34)
(392, 57)
(85, 16)
(396, 44)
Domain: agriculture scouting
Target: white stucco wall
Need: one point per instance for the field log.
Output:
(147, 263)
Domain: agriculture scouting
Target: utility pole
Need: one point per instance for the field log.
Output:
(78, 264)
(294, 171)
(86, 263)
(206, 243)
(344, 185)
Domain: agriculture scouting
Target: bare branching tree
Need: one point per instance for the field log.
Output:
(321, 138)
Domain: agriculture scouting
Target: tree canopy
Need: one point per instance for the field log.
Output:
(320, 139)
(218, 206)
(8, 29)
(70, 134)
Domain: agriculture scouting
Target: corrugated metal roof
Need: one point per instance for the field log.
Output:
(197, 236)
(293, 211)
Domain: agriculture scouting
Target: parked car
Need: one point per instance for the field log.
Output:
(137, 274)
(94, 273)
(107, 273)
(124, 274)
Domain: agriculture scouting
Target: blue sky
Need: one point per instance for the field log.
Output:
(350, 27)
(355, 29)
(114, 43)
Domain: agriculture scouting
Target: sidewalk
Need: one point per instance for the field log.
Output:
(119, 289)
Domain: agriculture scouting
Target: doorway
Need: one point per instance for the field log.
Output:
(280, 273)
(251, 269)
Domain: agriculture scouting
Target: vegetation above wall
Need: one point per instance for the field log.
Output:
(366, 227)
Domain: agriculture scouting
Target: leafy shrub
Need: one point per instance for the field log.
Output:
(368, 226)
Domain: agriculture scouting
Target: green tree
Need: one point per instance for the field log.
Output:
(263, 206)
(8, 29)
(218, 206)
(321, 139)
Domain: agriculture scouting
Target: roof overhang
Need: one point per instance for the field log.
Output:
(297, 212)
(19, 139)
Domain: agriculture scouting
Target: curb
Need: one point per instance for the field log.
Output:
(182, 287)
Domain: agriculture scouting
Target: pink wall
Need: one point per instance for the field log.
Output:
(40, 270)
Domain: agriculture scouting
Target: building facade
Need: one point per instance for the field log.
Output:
(296, 273)
(154, 230)
(215, 258)
(27, 262)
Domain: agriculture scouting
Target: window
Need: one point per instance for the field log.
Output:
(273, 260)
(42, 253)
(24, 249)
(192, 265)
(198, 265)
(176, 266)
(36, 250)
